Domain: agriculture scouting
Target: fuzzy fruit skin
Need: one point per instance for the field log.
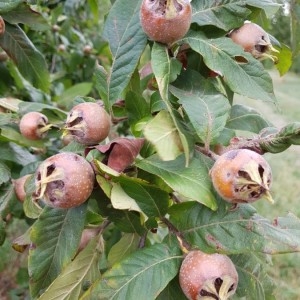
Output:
(19, 186)
(31, 125)
(88, 123)
(199, 270)
(161, 29)
(64, 180)
(252, 38)
(228, 175)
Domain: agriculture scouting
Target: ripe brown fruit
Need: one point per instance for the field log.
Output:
(241, 176)
(19, 186)
(88, 123)
(207, 276)
(166, 21)
(2, 26)
(254, 40)
(34, 125)
(64, 180)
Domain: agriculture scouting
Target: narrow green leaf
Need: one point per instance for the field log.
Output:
(56, 235)
(249, 78)
(28, 59)
(219, 230)
(206, 108)
(77, 275)
(163, 134)
(143, 275)
(191, 182)
(246, 118)
(127, 42)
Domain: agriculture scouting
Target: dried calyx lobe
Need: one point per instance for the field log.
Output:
(160, 6)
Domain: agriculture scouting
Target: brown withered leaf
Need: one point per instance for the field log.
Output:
(121, 152)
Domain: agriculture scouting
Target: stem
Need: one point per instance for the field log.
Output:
(184, 245)
(207, 152)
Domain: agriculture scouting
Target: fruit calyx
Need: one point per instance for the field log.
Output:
(219, 289)
(49, 173)
(253, 182)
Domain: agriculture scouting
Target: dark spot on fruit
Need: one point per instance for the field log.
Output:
(261, 171)
(231, 154)
(76, 158)
(218, 283)
(38, 177)
(231, 288)
(261, 48)
(50, 169)
(77, 121)
(244, 175)
(205, 293)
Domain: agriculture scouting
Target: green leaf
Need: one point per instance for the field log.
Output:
(277, 140)
(125, 246)
(254, 283)
(101, 78)
(226, 14)
(172, 291)
(121, 200)
(80, 89)
(56, 235)
(270, 7)
(235, 232)
(163, 134)
(25, 15)
(30, 62)
(77, 275)
(16, 154)
(2, 232)
(153, 201)
(246, 118)
(127, 42)
(5, 173)
(285, 59)
(206, 107)
(191, 182)
(8, 5)
(249, 78)
(7, 196)
(142, 275)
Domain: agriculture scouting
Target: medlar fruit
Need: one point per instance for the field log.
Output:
(88, 123)
(19, 186)
(2, 26)
(241, 176)
(64, 180)
(166, 21)
(34, 125)
(254, 40)
(207, 276)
